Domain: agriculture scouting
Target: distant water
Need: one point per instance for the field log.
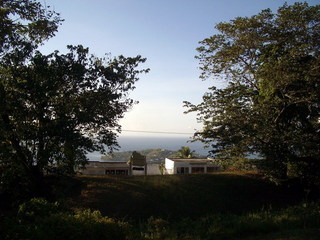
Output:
(136, 143)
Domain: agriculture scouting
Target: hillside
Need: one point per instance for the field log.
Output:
(152, 155)
(170, 196)
(178, 207)
(218, 206)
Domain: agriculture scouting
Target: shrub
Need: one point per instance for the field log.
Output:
(40, 219)
(36, 208)
(157, 228)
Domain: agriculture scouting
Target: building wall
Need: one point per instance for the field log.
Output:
(106, 168)
(190, 166)
(169, 165)
(93, 171)
(153, 169)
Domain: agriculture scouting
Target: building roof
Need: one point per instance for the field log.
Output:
(195, 160)
(108, 162)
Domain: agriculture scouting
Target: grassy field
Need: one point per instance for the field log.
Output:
(178, 207)
(218, 206)
(181, 196)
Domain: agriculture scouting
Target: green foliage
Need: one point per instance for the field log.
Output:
(36, 208)
(239, 164)
(54, 108)
(270, 105)
(258, 224)
(24, 25)
(39, 219)
(156, 228)
(181, 196)
(185, 152)
(64, 105)
(15, 185)
(194, 207)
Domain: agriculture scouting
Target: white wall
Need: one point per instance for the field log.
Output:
(169, 165)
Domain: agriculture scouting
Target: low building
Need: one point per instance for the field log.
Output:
(137, 165)
(106, 168)
(190, 166)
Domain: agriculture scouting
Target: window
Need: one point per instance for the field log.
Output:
(110, 172)
(121, 172)
(138, 168)
(197, 170)
(182, 170)
(116, 172)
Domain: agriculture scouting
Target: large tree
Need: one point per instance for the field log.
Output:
(54, 108)
(271, 103)
(24, 24)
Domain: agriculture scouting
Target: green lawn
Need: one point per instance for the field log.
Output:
(181, 196)
(217, 206)
(179, 207)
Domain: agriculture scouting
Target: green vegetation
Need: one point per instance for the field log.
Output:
(185, 152)
(218, 206)
(39, 219)
(54, 108)
(270, 105)
(181, 196)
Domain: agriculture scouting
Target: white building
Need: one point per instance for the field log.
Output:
(190, 165)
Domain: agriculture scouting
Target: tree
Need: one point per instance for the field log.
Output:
(55, 108)
(271, 104)
(61, 106)
(185, 152)
(24, 24)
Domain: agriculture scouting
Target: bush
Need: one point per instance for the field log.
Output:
(39, 219)
(36, 208)
(157, 228)
(304, 217)
(15, 185)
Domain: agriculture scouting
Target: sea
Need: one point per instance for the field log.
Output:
(136, 143)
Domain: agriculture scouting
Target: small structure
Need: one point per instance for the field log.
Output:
(106, 168)
(138, 164)
(190, 166)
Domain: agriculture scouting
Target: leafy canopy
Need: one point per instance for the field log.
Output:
(55, 108)
(271, 104)
(185, 152)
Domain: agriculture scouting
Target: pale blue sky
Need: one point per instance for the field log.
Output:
(167, 33)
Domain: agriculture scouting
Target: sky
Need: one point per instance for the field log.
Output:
(167, 33)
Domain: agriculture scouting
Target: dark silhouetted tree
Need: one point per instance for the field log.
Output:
(54, 108)
(271, 104)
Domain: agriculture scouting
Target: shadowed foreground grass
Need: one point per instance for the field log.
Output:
(181, 196)
(186, 207)
(218, 206)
